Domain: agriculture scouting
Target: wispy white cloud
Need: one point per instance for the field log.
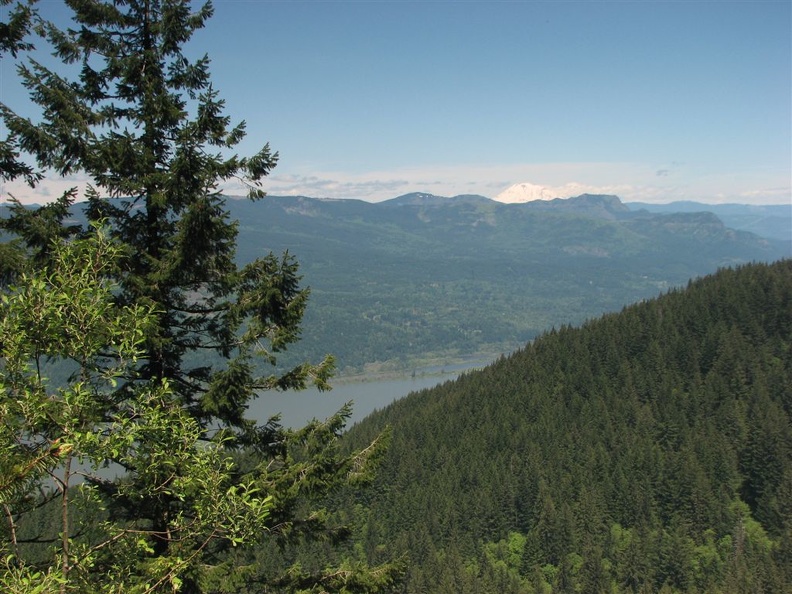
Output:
(443, 180)
(632, 182)
(781, 195)
(329, 186)
(48, 190)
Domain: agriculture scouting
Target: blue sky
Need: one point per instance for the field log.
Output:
(653, 101)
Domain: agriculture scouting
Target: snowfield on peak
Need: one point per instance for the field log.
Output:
(526, 192)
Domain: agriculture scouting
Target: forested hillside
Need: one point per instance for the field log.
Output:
(646, 451)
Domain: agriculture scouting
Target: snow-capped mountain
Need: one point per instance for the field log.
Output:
(526, 192)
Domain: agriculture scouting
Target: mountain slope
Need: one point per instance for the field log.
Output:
(772, 221)
(649, 450)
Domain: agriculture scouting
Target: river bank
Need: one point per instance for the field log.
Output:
(427, 368)
(367, 392)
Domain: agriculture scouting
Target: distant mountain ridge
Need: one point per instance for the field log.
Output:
(579, 203)
(424, 199)
(773, 220)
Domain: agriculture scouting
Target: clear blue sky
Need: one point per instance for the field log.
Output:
(654, 101)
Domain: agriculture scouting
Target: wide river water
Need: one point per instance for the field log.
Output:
(297, 408)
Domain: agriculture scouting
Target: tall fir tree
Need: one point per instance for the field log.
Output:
(14, 28)
(129, 109)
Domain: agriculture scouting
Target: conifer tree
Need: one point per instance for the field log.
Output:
(144, 123)
(14, 28)
(128, 108)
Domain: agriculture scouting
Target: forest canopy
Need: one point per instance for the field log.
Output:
(646, 451)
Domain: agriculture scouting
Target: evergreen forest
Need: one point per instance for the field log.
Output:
(646, 451)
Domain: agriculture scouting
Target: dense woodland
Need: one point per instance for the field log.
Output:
(646, 451)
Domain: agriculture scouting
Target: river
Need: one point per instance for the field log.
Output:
(297, 408)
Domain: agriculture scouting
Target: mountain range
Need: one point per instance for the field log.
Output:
(773, 220)
(766, 220)
(423, 277)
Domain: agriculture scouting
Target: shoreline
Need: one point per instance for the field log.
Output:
(436, 367)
